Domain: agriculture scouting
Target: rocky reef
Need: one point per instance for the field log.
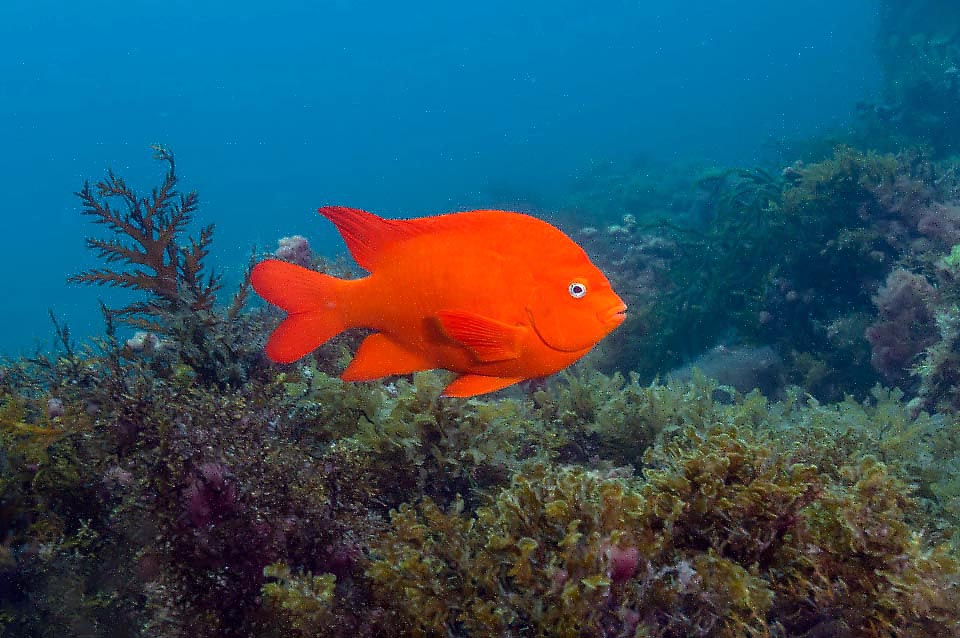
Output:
(174, 483)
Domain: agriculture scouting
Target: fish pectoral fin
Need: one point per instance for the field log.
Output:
(379, 356)
(469, 385)
(487, 339)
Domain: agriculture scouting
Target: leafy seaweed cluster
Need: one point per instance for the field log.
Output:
(303, 602)
(725, 536)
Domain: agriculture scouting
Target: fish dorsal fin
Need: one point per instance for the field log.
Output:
(487, 339)
(366, 234)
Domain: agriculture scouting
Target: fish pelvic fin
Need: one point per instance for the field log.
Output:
(312, 301)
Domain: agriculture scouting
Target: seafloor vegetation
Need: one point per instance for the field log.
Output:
(783, 461)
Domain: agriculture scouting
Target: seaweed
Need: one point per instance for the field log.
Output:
(718, 277)
(150, 260)
(726, 535)
(302, 602)
(148, 254)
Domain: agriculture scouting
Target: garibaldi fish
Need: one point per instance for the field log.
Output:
(495, 296)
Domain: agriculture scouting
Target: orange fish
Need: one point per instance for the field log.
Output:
(494, 296)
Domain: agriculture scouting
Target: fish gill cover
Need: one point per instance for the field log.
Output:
(768, 446)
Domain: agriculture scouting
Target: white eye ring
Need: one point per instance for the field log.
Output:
(577, 289)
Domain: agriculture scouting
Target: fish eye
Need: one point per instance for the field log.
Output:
(577, 289)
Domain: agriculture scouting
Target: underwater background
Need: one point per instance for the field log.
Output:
(403, 110)
(768, 446)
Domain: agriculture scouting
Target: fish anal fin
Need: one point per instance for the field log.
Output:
(469, 385)
(299, 334)
(366, 234)
(379, 356)
(487, 339)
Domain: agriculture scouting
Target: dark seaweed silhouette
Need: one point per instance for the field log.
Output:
(145, 249)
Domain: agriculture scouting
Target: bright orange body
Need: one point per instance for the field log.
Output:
(492, 295)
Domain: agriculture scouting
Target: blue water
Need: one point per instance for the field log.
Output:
(403, 108)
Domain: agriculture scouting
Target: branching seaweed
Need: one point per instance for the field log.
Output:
(149, 254)
(145, 246)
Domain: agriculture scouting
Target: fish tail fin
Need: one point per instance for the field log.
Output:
(312, 300)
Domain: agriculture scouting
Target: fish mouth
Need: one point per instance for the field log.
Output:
(614, 316)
